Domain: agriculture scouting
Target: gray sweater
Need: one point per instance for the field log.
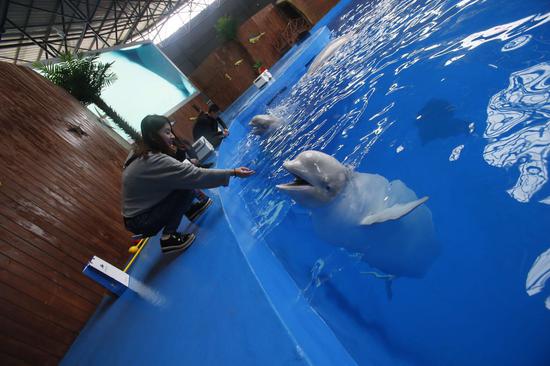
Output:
(146, 182)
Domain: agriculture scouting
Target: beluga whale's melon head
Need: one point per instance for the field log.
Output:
(265, 123)
(319, 178)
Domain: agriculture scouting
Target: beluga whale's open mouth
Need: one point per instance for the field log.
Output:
(318, 178)
(298, 181)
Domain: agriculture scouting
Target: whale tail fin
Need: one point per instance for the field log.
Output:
(393, 213)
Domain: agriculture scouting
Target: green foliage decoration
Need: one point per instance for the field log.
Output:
(226, 27)
(85, 78)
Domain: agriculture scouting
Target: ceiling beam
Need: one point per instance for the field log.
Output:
(63, 26)
(22, 37)
(79, 12)
(31, 6)
(3, 16)
(131, 31)
(49, 29)
(36, 42)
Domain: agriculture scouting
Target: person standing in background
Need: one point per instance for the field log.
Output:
(208, 126)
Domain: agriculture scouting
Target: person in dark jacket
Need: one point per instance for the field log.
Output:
(208, 124)
(157, 189)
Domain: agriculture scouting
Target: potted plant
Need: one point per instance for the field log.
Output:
(226, 27)
(259, 67)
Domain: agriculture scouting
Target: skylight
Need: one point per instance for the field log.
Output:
(178, 19)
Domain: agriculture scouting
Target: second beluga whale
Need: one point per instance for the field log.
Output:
(364, 213)
(330, 49)
(264, 124)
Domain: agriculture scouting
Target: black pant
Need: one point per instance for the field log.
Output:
(166, 214)
(216, 139)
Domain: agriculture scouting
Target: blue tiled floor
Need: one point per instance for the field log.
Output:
(201, 307)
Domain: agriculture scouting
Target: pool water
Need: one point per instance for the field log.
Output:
(453, 99)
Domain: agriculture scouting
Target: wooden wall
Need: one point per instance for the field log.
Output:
(313, 10)
(59, 206)
(270, 21)
(220, 79)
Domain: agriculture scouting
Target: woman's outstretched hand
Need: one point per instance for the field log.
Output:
(243, 172)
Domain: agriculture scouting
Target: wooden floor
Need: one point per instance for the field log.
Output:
(59, 206)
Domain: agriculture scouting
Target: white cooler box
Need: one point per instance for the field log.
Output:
(203, 148)
(263, 79)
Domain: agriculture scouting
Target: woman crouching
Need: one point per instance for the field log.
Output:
(157, 189)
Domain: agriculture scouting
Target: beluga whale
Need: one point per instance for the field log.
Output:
(263, 124)
(385, 222)
(329, 50)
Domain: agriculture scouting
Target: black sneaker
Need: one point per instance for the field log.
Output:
(198, 209)
(176, 242)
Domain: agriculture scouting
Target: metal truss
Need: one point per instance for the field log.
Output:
(31, 30)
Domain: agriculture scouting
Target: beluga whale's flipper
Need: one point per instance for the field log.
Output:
(330, 49)
(394, 212)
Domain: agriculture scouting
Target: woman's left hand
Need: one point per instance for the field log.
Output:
(243, 172)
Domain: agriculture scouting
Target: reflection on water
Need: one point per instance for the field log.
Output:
(516, 43)
(501, 32)
(436, 121)
(518, 129)
(455, 154)
(538, 275)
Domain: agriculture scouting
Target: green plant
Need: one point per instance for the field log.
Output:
(85, 78)
(257, 65)
(226, 27)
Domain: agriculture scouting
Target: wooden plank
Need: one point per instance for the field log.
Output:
(63, 160)
(37, 308)
(31, 337)
(56, 238)
(52, 260)
(49, 298)
(27, 354)
(26, 209)
(34, 264)
(63, 179)
(41, 325)
(85, 211)
(8, 360)
(85, 229)
(26, 274)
